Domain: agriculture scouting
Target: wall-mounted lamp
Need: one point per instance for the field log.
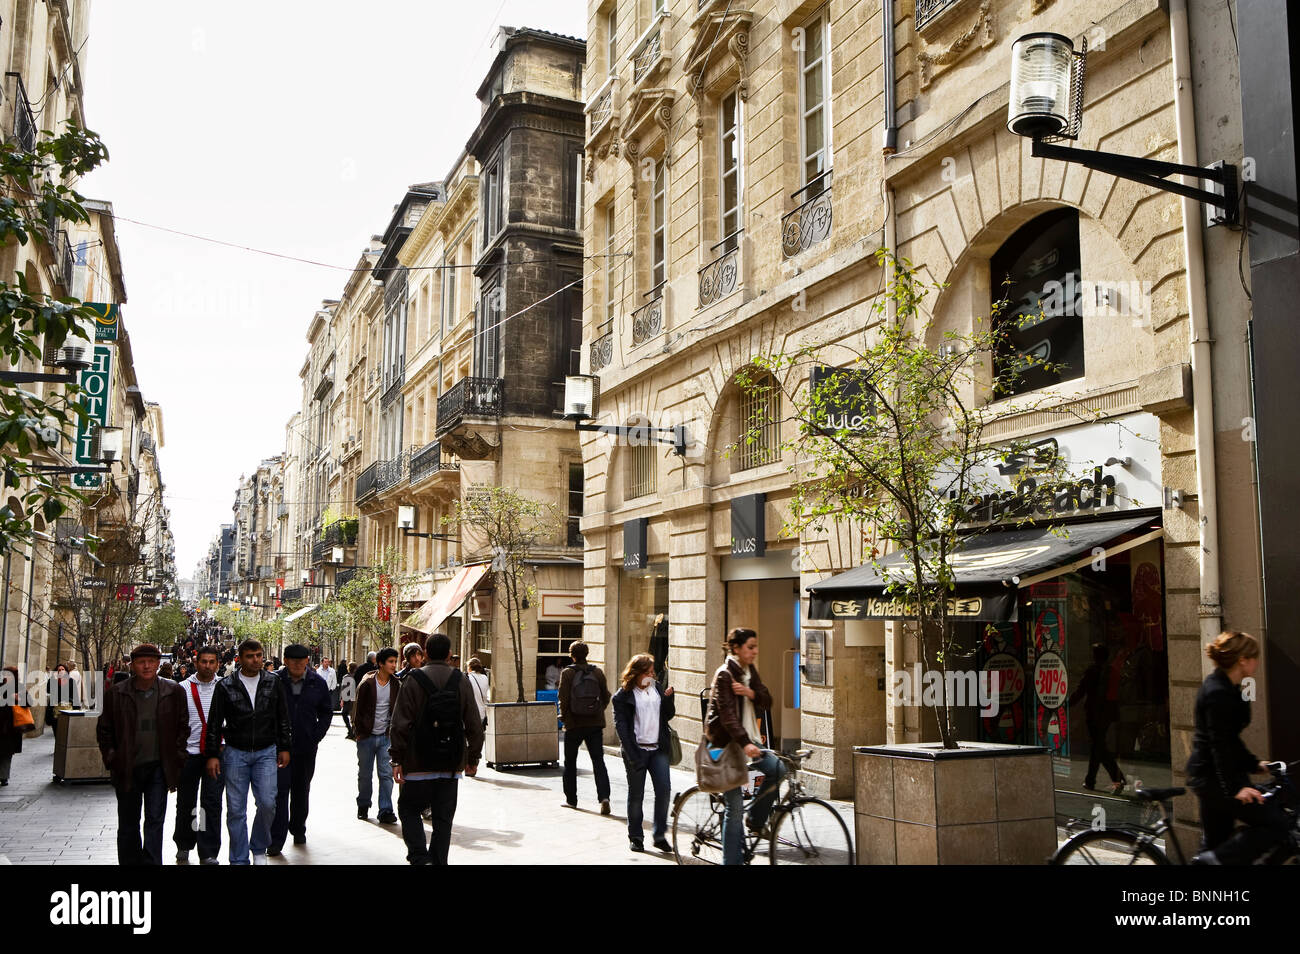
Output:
(406, 521)
(582, 404)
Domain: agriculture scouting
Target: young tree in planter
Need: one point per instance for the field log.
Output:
(894, 439)
(512, 527)
(354, 608)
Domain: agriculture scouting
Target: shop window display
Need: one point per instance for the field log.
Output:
(643, 618)
(553, 641)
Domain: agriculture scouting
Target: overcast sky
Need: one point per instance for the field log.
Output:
(283, 125)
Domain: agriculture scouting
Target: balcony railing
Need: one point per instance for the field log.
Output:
(647, 54)
(470, 397)
(602, 107)
(23, 124)
(393, 392)
(292, 595)
(602, 347)
(928, 10)
(366, 482)
(344, 575)
(648, 320)
(393, 471)
(810, 223)
(718, 279)
(428, 460)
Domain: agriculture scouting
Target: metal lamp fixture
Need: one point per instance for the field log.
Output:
(582, 404)
(1046, 105)
(110, 444)
(406, 522)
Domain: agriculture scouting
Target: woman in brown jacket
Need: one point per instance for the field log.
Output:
(737, 697)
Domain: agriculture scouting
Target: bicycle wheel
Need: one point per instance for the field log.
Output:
(697, 829)
(810, 832)
(1108, 847)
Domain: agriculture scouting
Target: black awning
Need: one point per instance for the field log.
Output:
(988, 567)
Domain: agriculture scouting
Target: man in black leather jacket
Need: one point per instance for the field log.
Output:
(250, 710)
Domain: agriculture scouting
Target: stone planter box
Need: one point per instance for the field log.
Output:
(76, 753)
(981, 804)
(521, 733)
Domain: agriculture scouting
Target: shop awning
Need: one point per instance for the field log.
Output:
(299, 614)
(989, 568)
(447, 600)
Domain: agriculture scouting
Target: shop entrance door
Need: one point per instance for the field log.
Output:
(771, 608)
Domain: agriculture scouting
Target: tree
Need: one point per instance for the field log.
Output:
(33, 194)
(354, 607)
(164, 626)
(512, 526)
(894, 441)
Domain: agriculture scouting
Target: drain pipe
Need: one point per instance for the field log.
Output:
(1210, 609)
(890, 145)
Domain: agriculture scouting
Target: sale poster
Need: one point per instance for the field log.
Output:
(1051, 680)
(1001, 654)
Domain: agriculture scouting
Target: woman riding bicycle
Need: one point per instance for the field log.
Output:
(1220, 763)
(736, 698)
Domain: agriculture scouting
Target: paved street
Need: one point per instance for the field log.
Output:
(503, 818)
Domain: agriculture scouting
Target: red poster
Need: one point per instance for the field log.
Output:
(385, 595)
(126, 592)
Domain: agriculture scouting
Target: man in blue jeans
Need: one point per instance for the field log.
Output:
(250, 710)
(372, 717)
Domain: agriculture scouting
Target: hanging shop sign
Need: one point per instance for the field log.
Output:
(106, 320)
(842, 398)
(94, 382)
(635, 532)
(748, 532)
(385, 609)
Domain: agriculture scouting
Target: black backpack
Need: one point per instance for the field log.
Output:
(440, 733)
(584, 692)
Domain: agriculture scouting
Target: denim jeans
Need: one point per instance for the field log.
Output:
(149, 787)
(733, 834)
(573, 741)
(242, 768)
(372, 753)
(203, 829)
(656, 764)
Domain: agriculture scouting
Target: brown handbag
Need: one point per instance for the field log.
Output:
(718, 771)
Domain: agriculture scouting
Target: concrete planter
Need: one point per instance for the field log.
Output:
(981, 804)
(76, 750)
(521, 733)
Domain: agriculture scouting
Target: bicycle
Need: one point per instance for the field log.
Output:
(802, 830)
(1135, 844)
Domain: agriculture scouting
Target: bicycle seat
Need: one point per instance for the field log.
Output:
(1159, 794)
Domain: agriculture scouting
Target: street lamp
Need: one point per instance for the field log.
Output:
(406, 520)
(582, 403)
(1046, 105)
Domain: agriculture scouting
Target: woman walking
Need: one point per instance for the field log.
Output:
(1220, 764)
(642, 709)
(11, 735)
(347, 693)
(478, 682)
(735, 700)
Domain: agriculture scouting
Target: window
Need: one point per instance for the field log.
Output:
(571, 314)
(659, 226)
(759, 429)
(575, 504)
(611, 37)
(573, 187)
(553, 641)
(1037, 271)
(642, 466)
(611, 299)
(492, 202)
(730, 173)
(487, 330)
(814, 104)
(450, 276)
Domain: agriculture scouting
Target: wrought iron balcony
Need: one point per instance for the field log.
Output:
(719, 278)
(291, 595)
(470, 397)
(929, 10)
(602, 347)
(648, 320)
(647, 54)
(428, 460)
(23, 125)
(601, 109)
(392, 472)
(345, 575)
(393, 391)
(810, 223)
(366, 482)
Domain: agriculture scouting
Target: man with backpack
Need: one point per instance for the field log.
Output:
(437, 736)
(583, 698)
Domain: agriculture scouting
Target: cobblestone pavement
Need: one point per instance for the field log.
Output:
(502, 817)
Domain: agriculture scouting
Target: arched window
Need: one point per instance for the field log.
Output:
(1037, 271)
(758, 428)
(642, 461)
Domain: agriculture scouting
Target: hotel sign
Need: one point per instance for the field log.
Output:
(94, 382)
(106, 320)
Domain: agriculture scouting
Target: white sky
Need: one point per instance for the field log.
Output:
(286, 125)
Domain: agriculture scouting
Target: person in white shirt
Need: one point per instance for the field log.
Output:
(201, 825)
(642, 709)
(328, 674)
(478, 681)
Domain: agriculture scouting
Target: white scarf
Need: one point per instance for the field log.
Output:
(748, 713)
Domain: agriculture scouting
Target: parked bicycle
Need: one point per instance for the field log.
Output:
(802, 830)
(1133, 844)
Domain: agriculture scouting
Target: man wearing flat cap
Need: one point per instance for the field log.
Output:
(310, 711)
(142, 734)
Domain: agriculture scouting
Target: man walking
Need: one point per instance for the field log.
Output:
(250, 709)
(141, 735)
(583, 698)
(371, 718)
(367, 667)
(331, 682)
(202, 827)
(309, 715)
(437, 737)
(413, 656)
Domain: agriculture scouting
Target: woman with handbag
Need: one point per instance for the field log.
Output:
(478, 681)
(735, 700)
(14, 721)
(642, 710)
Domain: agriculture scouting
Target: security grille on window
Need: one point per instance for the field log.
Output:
(730, 170)
(760, 430)
(814, 103)
(642, 466)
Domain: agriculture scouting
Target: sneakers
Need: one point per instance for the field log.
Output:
(635, 845)
(300, 839)
(209, 861)
(260, 859)
(662, 845)
(387, 818)
(363, 813)
(182, 857)
(273, 852)
(604, 806)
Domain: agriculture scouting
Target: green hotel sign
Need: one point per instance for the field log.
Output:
(106, 320)
(94, 382)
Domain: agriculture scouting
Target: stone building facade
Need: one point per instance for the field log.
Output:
(740, 185)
